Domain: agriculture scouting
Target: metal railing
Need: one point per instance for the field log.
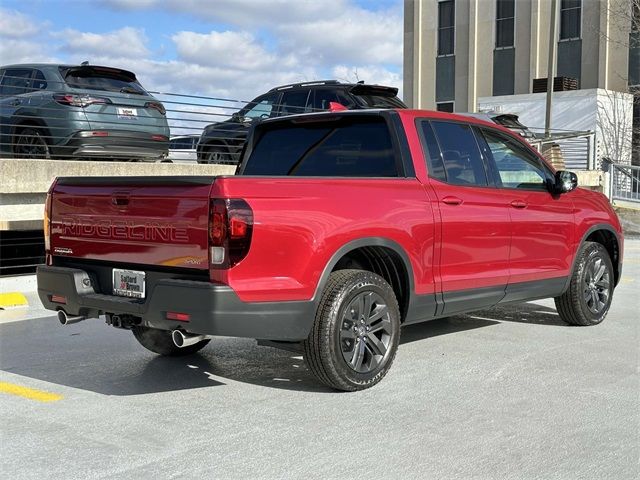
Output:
(625, 183)
(578, 149)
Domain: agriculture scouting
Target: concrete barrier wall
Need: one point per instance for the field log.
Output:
(24, 183)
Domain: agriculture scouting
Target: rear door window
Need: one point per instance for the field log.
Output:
(460, 154)
(39, 82)
(435, 164)
(294, 102)
(322, 99)
(16, 81)
(346, 148)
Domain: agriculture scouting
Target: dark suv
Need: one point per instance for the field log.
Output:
(79, 111)
(222, 142)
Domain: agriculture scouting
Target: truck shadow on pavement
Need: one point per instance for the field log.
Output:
(90, 356)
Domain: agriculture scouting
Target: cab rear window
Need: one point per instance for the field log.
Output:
(345, 148)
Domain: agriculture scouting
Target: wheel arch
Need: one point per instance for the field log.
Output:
(31, 121)
(609, 238)
(381, 256)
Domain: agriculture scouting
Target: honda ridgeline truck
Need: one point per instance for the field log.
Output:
(338, 229)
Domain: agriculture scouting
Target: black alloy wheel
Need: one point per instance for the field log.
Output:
(366, 332)
(588, 298)
(29, 143)
(356, 331)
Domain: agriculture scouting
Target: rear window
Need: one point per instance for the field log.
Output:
(107, 79)
(345, 148)
(382, 101)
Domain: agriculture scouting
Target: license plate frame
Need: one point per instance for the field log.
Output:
(123, 279)
(127, 113)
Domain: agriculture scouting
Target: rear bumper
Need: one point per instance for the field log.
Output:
(214, 309)
(120, 144)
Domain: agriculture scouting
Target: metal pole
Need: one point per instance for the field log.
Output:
(551, 65)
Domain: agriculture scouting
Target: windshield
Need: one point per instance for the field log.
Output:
(107, 80)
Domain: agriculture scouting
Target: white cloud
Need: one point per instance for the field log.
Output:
(22, 51)
(130, 4)
(16, 25)
(371, 74)
(359, 37)
(328, 32)
(235, 50)
(126, 42)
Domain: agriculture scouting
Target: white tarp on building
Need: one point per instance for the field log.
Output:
(607, 113)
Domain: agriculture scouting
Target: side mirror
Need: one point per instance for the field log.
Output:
(236, 117)
(565, 181)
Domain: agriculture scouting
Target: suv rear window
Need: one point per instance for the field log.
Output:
(102, 78)
(346, 148)
(382, 101)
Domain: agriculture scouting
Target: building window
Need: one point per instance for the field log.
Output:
(570, 19)
(505, 23)
(445, 107)
(446, 27)
(634, 49)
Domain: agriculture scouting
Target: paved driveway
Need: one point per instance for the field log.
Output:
(505, 393)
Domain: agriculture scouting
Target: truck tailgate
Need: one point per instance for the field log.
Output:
(160, 221)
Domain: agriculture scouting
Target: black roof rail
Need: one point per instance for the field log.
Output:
(306, 84)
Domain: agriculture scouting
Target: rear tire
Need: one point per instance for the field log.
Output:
(356, 331)
(30, 143)
(160, 342)
(588, 298)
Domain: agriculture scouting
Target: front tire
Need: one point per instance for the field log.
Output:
(588, 298)
(356, 331)
(160, 342)
(215, 156)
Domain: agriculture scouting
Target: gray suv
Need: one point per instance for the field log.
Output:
(79, 111)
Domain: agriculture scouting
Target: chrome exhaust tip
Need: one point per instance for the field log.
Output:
(65, 319)
(182, 339)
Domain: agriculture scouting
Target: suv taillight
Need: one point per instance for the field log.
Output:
(230, 229)
(79, 100)
(47, 222)
(156, 106)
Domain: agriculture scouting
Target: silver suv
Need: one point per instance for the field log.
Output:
(79, 111)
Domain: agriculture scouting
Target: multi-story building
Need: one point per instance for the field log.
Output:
(459, 50)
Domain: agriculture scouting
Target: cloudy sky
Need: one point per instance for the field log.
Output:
(223, 48)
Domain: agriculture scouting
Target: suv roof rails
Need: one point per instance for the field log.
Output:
(306, 84)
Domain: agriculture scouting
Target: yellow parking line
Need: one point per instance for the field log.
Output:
(30, 393)
(12, 299)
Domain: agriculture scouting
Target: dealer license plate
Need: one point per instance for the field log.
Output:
(128, 113)
(128, 283)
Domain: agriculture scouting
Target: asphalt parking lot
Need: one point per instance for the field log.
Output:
(510, 392)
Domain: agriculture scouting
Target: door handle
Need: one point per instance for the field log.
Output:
(452, 200)
(519, 204)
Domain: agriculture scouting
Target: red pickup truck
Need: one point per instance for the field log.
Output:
(338, 229)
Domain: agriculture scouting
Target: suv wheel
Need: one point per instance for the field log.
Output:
(215, 155)
(355, 335)
(160, 342)
(588, 298)
(29, 143)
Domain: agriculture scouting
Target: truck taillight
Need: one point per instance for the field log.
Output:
(46, 226)
(230, 229)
